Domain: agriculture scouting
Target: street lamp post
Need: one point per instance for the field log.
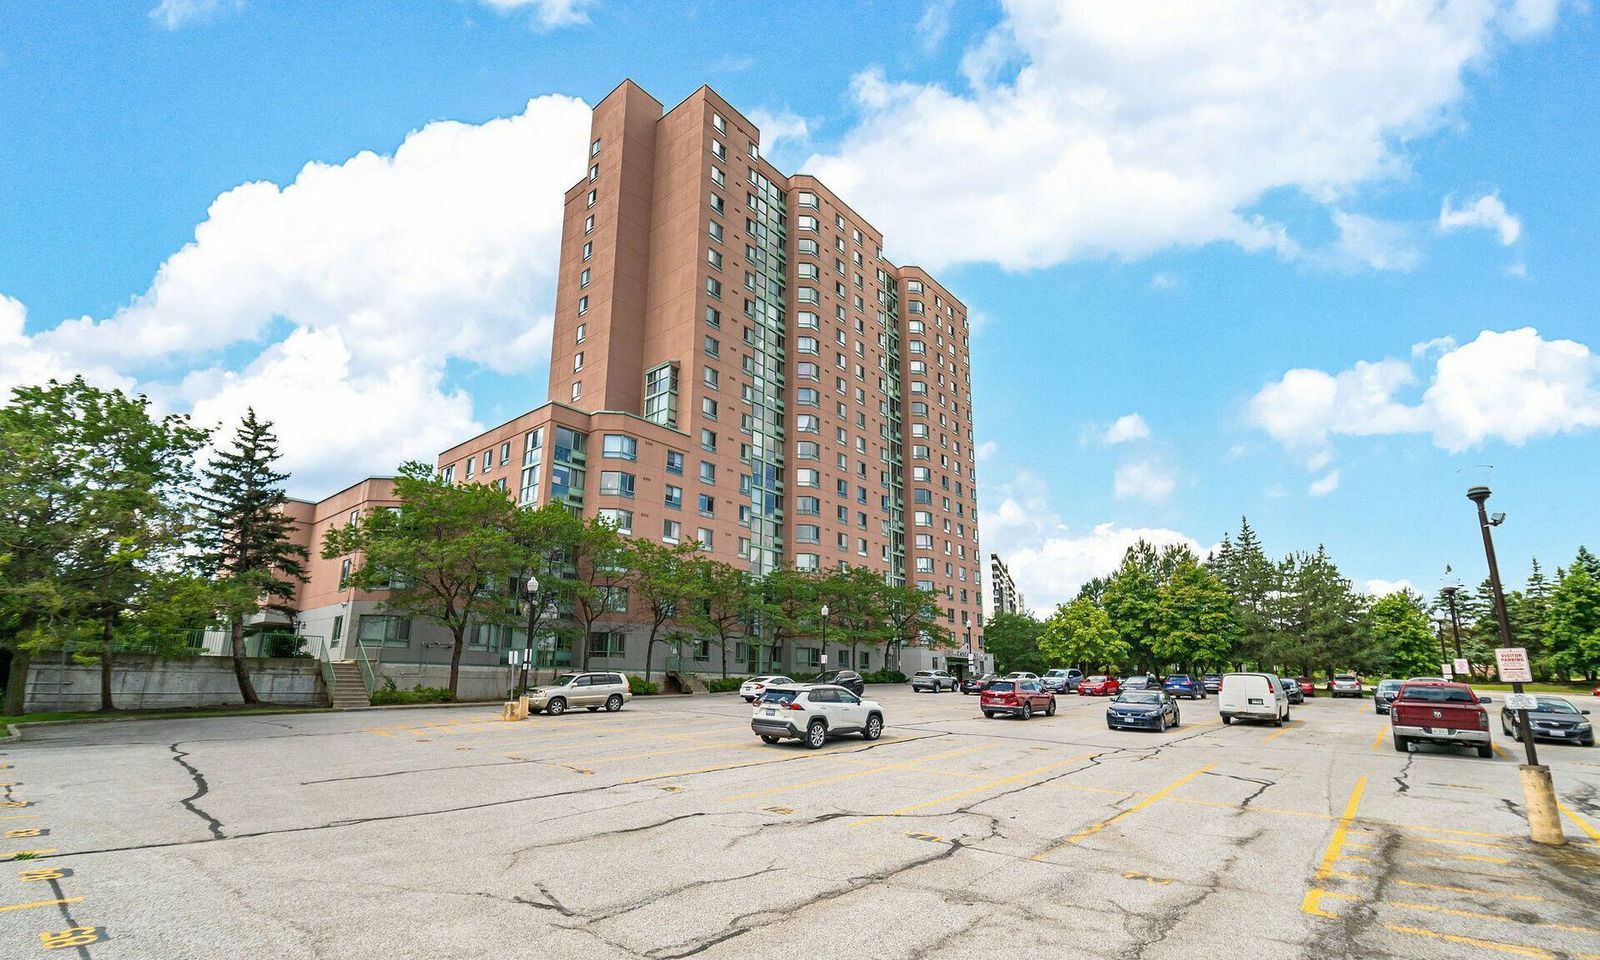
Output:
(824, 612)
(530, 590)
(1450, 595)
(1544, 819)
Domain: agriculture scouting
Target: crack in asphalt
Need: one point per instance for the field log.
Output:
(1401, 781)
(1245, 803)
(201, 788)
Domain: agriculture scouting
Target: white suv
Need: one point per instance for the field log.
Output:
(751, 689)
(813, 713)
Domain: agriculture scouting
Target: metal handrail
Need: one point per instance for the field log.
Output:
(369, 667)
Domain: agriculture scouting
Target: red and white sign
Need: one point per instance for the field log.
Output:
(1513, 662)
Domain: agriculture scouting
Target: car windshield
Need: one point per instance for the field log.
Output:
(1344, 679)
(1139, 697)
(779, 696)
(565, 680)
(1555, 705)
(1056, 673)
(1096, 680)
(1438, 694)
(1179, 678)
(1388, 685)
(924, 673)
(1002, 686)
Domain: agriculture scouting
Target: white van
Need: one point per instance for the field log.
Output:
(1253, 696)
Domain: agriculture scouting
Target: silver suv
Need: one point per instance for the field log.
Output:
(935, 680)
(589, 690)
(813, 713)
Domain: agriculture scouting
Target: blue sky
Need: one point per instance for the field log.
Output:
(1310, 262)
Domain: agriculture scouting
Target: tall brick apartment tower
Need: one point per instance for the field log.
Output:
(736, 362)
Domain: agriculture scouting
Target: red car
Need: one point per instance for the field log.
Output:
(1019, 698)
(1099, 686)
(1307, 688)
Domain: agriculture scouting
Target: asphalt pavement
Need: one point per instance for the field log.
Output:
(669, 830)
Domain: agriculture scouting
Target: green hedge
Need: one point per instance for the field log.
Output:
(725, 684)
(885, 676)
(387, 695)
(641, 688)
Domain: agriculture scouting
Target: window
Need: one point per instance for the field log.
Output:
(806, 370)
(713, 347)
(661, 395)
(717, 204)
(607, 643)
(714, 287)
(590, 200)
(718, 178)
(588, 225)
(708, 472)
(713, 316)
(619, 446)
(577, 361)
(806, 345)
(806, 271)
(808, 423)
(505, 453)
(375, 630)
(807, 477)
(808, 450)
(671, 531)
(708, 505)
(708, 407)
(471, 462)
(806, 223)
(811, 562)
(808, 246)
(588, 250)
(708, 440)
(675, 462)
(577, 390)
(615, 483)
(674, 497)
(807, 199)
(719, 150)
(806, 320)
(705, 538)
(807, 295)
(924, 518)
(710, 377)
(807, 533)
(807, 397)
(719, 123)
(594, 149)
(621, 519)
(582, 333)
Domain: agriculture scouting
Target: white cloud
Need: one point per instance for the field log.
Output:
(1325, 484)
(1487, 212)
(1048, 560)
(985, 450)
(176, 14)
(1144, 480)
(780, 127)
(1092, 128)
(1127, 428)
(1513, 386)
(935, 24)
(1164, 281)
(1370, 243)
(1382, 588)
(396, 265)
(548, 13)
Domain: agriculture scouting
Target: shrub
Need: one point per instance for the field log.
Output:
(388, 695)
(884, 676)
(641, 688)
(725, 684)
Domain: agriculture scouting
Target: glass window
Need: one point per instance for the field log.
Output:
(708, 505)
(615, 483)
(674, 462)
(620, 446)
(671, 531)
(377, 630)
(708, 472)
(674, 496)
(621, 519)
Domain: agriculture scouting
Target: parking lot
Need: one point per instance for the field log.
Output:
(668, 830)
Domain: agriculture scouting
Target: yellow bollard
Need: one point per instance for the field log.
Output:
(515, 709)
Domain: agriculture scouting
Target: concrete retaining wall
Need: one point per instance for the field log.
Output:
(143, 683)
(476, 683)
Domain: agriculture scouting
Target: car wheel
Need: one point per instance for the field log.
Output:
(1162, 727)
(874, 728)
(1226, 719)
(987, 715)
(1485, 752)
(1587, 743)
(1050, 709)
(768, 738)
(1402, 744)
(1285, 718)
(557, 707)
(1505, 727)
(1177, 719)
(816, 734)
(1027, 711)
(614, 703)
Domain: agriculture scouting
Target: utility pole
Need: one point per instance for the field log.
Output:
(1538, 789)
(1455, 622)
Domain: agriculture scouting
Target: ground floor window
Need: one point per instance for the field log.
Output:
(487, 636)
(606, 643)
(809, 657)
(702, 651)
(377, 630)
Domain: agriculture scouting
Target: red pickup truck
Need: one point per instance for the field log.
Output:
(1435, 712)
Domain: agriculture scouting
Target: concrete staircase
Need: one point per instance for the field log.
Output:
(349, 689)
(690, 683)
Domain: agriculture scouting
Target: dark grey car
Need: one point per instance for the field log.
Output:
(1384, 694)
(1556, 719)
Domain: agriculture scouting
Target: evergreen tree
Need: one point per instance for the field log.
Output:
(1319, 615)
(248, 539)
(1574, 623)
(1589, 562)
(1252, 581)
(1196, 624)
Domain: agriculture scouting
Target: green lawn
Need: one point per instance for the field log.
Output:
(155, 714)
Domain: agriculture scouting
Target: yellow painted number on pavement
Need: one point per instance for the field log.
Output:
(71, 937)
(30, 832)
(29, 876)
(1147, 878)
(13, 803)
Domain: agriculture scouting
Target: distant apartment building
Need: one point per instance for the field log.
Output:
(736, 364)
(1004, 594)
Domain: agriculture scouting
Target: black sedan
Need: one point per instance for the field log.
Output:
(1556, 719)
(848, 679)
(1291, 689)
(1142, 710)
(972, 684)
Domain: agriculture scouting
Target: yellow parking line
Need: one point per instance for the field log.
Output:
(1287, 727)
(1513, 948)
(1378, 740)
(1475, 915)
(855, 773)
(1499, 750)
(978, 789)
(1583, 824)
(23, 816)
(1492, 894)
(1342, 830)
(71, 900)
(1147, 801)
